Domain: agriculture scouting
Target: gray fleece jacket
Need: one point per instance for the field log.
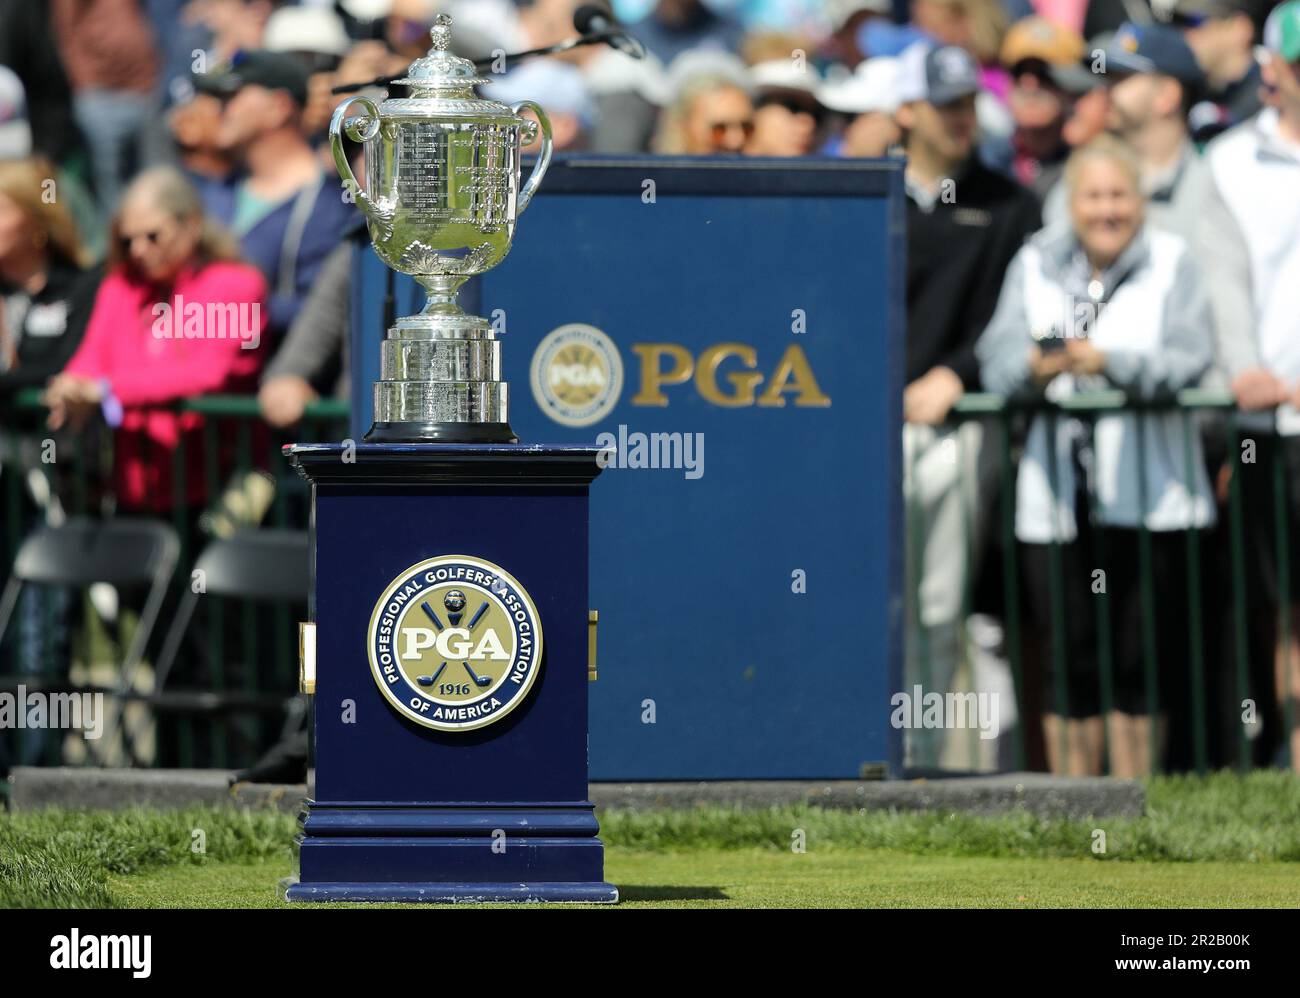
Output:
(1149, 315)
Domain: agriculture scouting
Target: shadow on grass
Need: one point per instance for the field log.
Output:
(660, 893)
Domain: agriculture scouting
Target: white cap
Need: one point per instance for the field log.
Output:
(15, 131)
(491, 24)
(910, 83)
(306, 29)
(873, 86)
(367, 10)
(784, 74)
(701, 62)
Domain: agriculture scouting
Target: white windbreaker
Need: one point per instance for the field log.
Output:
(1257, 173)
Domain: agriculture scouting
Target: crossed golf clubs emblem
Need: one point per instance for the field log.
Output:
(454, 603)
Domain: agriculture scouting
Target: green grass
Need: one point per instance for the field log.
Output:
(840, 878)
(1219, 840)
(1223, 816)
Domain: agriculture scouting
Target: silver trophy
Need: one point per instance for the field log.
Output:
(441, 198)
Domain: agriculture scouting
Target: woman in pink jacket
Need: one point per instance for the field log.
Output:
(177, 315)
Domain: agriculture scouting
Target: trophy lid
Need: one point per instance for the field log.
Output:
(441, 70)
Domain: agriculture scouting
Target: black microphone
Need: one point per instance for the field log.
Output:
(592, 19)
(595, 24)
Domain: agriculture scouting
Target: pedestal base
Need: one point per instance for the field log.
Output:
(582, 893)
(524, 851)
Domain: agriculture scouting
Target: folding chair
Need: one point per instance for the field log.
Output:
(125, 553)
(270, 565)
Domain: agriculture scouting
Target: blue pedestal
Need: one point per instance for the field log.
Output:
(407, 812)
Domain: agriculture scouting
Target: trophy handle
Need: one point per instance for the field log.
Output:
(374, 212)
(543, 160)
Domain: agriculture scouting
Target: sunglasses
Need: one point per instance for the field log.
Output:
(1037, 68)
(720, 129)
(154, 236)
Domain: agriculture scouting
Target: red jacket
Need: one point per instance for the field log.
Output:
(152, 355)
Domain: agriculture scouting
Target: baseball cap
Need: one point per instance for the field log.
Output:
(15, 131)
(1038, 38)
(1152, 48)
(937, 75)
(780, 81)
(783, 74)
(257, 67)
(1282, 31)
(305, 29)
(1191, 13)
(872, 86)
(367, 10)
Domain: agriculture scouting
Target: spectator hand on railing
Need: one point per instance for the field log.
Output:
(1257, 388)
(283, 399)
(931, 397)
(1083, 357)
(1045, 365)
(72, 400)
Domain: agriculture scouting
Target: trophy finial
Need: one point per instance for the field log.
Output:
(440, 33)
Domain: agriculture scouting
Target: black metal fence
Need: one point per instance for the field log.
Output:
(1222, 668)
(244, 653)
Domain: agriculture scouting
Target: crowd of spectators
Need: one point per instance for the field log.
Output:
(1100, 194)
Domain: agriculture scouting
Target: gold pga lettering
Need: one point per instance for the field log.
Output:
(665, 364)
(453, 643)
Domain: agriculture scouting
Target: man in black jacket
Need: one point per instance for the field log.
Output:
(964, 224)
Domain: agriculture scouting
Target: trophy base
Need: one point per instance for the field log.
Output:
(418, 432)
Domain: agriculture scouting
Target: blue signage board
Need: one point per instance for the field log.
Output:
(731, 332)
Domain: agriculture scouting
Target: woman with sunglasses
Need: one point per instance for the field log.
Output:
(177, 315)
(711, 116)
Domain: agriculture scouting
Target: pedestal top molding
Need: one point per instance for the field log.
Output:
(466, 464)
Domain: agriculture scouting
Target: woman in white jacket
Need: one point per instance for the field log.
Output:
(1104, 302)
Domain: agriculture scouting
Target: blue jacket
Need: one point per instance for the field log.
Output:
(320, 223)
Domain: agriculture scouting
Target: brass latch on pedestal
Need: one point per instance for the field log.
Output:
(306, 658)
(592, 617)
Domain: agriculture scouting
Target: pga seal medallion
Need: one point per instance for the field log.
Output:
(455, 643)
(576, 374)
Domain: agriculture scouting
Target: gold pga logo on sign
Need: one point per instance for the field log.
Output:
(455, 643)
(576, 375)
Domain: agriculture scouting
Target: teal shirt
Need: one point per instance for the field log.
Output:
(250, 209)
